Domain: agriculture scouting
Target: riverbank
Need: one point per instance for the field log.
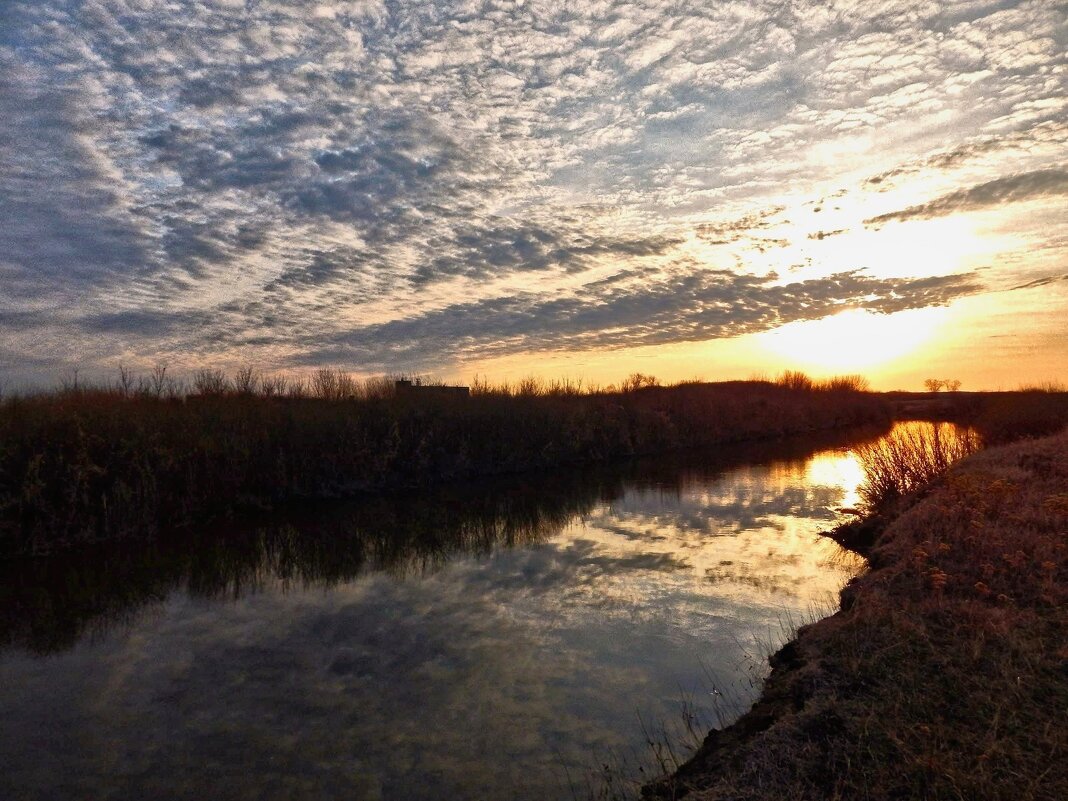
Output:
(85, 464)
(944, 674)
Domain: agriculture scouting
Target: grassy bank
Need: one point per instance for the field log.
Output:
(944, 675)
(86, 464)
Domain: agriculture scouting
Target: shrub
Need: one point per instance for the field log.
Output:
(796, 380)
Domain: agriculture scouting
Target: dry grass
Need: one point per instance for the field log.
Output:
(1029, 412)
(945, 676)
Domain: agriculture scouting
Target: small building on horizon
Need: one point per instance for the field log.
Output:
(406, 387)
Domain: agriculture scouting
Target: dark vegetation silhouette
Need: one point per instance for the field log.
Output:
(86, 463)
(1033, 411)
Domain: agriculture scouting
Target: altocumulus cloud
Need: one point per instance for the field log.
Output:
(689, 305)
(411, 183)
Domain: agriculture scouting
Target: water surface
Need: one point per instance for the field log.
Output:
(491, 642)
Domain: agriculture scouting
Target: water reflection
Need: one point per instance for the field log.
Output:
(486, 642)
(48, 604)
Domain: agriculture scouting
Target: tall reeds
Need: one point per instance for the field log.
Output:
(910, 457)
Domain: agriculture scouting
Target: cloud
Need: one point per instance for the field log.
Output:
(690, 305)
(64, 223)
(284, 177)
(506, 245)
(996, 193)
(728, 231)
(1044, 281)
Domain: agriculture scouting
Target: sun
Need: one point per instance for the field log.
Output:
(855, 339)
(911, 249)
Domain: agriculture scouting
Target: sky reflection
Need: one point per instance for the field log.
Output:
(490, 672)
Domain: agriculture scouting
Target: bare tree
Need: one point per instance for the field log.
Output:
(933, 384)
(126, 382)
(952, 384)
(246, 380)
(637, 381)
(158, 379)
(325, 383)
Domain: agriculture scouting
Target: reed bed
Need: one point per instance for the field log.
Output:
(86, 463)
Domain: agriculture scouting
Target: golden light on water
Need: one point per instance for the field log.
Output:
(837, 469)
(750, 534)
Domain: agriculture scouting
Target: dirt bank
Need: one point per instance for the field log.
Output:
(944, 674)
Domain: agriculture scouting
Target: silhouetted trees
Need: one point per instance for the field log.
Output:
(935, 384)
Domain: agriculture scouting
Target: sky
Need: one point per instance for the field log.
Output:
(713, 190)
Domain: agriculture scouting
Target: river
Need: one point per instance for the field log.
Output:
(501, 641)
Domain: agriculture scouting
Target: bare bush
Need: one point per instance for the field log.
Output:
(530, 386)
(565, 387)
(210, 382)
(846, 383)
(273, 386)
(329, 384)
(795, 379)
(379, 387)
(297, 388)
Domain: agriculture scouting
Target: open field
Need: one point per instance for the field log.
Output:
(944, 675)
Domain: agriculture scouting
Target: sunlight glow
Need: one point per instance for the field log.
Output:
(913, 248)
(855, 339)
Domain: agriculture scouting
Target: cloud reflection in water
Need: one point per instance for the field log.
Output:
(528, 646)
